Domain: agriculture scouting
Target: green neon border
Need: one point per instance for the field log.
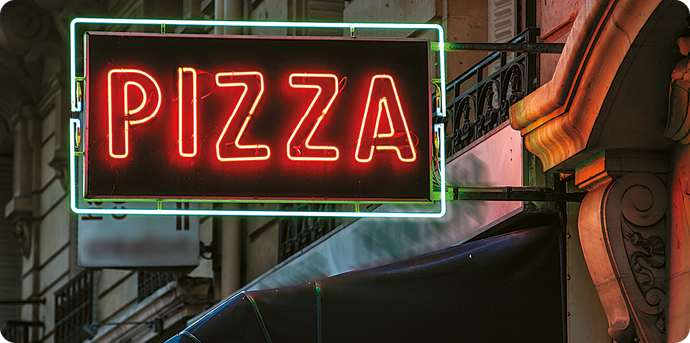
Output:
(75, 125)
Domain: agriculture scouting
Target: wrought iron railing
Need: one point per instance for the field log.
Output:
(74, 307)
(19, 331)
(296, 233)
(479, 99)
(150, 282)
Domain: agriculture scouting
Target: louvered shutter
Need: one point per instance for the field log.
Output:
(502, 20)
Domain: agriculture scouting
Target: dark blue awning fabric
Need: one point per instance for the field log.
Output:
(507, 288)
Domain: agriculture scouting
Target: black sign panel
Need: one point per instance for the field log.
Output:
(247, 118)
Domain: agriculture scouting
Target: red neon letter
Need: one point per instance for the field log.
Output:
(187, 100)
(247, 80)
(319, 153)
(147, 95)
(371, 135)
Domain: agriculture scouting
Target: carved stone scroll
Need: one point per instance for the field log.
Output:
(621, 227)
(24, 28)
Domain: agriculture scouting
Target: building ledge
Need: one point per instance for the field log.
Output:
(558, 119)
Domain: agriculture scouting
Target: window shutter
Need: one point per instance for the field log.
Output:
(501, 20)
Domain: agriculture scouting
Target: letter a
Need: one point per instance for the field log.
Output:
(391, 133)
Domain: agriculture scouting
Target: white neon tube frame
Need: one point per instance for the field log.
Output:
(76, 106)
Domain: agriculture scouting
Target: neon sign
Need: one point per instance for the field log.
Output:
(246, 118)
(307, 128)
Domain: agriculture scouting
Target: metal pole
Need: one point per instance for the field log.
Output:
(542, 48)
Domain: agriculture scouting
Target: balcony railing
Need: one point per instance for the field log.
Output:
(149, 282)
(479, 99)
(477, 102)
(296, 233)
(74, 307)
(18, 331)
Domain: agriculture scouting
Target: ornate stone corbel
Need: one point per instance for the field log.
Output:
(22, 232)
(622, 230)
(678, 128)
(19, 210)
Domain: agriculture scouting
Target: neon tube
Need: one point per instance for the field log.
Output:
(383, 101)
(237, 143)
(318, 121)
(180, 92)
(127, 113)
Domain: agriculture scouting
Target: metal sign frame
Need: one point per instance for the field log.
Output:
(164, 206)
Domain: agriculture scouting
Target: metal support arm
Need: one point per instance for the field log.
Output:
(543, 48)
(512, 194)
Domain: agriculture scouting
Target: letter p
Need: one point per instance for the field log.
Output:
(134, 97)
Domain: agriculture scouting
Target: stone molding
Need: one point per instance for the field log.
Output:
(613, 163)
(556, 119)
(679, 259)
(678, 124)
(622, 230)
(25, 28)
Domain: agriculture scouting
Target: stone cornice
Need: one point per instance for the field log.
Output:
(556, 120)
(613, 163)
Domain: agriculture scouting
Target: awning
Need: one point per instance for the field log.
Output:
(507, 288)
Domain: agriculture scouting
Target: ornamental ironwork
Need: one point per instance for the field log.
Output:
(479, 99)
(20, 331)
(148, 282)
(296, 233)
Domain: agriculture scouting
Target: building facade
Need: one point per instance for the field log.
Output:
(597, 117)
